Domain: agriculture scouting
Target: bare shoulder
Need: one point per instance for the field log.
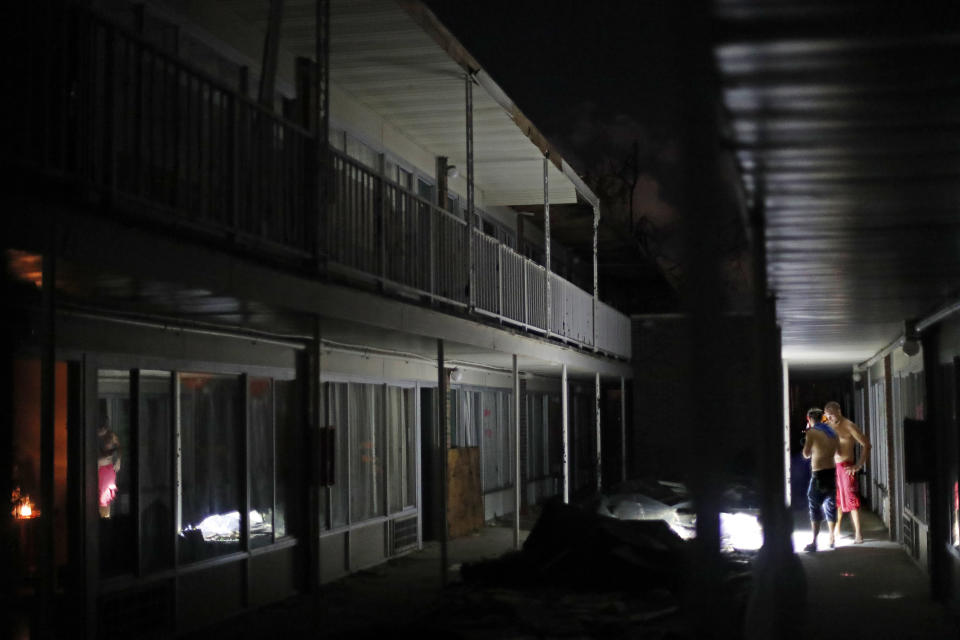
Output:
(850, 425)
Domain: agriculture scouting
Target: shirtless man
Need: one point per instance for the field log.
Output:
(848, 435)
(820, 446)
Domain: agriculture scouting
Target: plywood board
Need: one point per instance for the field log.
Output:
(465, 506)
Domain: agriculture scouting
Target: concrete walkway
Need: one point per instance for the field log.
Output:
(872, 590)
(370, 603)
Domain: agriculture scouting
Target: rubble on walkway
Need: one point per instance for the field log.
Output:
(580, 574)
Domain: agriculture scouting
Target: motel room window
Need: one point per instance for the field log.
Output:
(156, 470)
(335, 397)
(401, 426)
(538, 463)
(176, 467)
(211, 419)
(367, 448)
(288, 455)
(465, 418)
(114, 472)
(496, 447)
(261, 457)
(425, 190)
(26, 502)
(374, 428)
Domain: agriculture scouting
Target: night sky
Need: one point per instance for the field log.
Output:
(587, 73)
(601, 80)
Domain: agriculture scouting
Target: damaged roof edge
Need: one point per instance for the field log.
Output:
(429, 22)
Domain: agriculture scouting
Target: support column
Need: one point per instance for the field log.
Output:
(444, 449)
(271, 44)
(940, 499)
(623, 429)
(313, 366)
(518, 482)
(785, 405)
(47, 432)
(596, 278)
(564, 413)
(317, 120)
(443, 165)
(779, 590)
(596, 408)
(471, 259)
(546, 240)
(890, 466)
(704, 383)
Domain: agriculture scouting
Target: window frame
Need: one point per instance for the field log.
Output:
(134, 363)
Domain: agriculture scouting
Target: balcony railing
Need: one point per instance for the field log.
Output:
(136, 125)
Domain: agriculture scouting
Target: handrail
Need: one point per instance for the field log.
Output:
(337, 153)
(185, 67)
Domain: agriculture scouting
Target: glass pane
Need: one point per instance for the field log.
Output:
(261, 462)
(535, 437)
(405, 178)
(288, 452)
(401, 418)
(397, 429)
(362, 153)
(490, 443)
(337, 417)
(425, 190)
(114, 472)
(25, 498)
(507, 445)
(336, 137)
(211, 422)
(467, 419)
(410, 435)
(367, 429)
(156, 475)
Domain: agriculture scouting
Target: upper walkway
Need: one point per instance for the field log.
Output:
(138, 131)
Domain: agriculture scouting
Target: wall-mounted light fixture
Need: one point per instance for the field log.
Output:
(456, 374)
(910, 343)
(452, 171)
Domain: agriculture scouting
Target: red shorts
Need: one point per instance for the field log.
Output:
(847, 497)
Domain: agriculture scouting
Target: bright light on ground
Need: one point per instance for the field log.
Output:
(741, 531)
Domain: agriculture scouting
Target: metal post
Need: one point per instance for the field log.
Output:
(444, 447)
(890, 470)
(566, 434)
(271, 45)
(596, 280)
(546, 240)
(316, 420)
(596, 407)
(47, 431)
(516, 444)
(320, 117)
(381, 212)
(786, 432)
(500, 282)
(623, 429)
(940, 500)
(471, 284)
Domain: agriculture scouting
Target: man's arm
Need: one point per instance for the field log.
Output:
(865, 447)
(808, 443)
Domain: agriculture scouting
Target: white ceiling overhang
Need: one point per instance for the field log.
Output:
(396, 59)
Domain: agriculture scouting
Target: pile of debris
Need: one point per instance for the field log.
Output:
(580, 550)
(584, 574)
